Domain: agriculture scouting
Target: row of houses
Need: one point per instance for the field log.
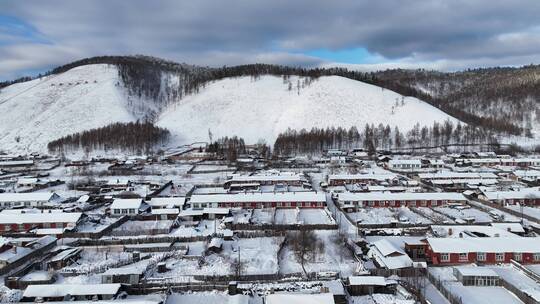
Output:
(23, 220)
(351, 202)
(366, 178)
(31, 199)
(489, 250)
(306, 199)
(511, 162)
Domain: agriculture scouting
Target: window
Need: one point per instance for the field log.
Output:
(463, 256)
(124, 211)
(481, 256)
(536, 256)
(132, 211)
(412, 204)
(423, 203)
(371, 203)
(116, 211)
(517, 256)
(445, 257)
(499, 257)
(392, 203)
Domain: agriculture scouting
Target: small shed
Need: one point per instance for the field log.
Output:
(64, 258)
(477, 276)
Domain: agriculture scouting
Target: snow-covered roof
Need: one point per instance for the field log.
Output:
(464, 181)
(369, 280)
(521, 194)
(512, 227)
(298, 298)
(489, 244)
(405, 162)
(37, 218)
(16, 163)
(457, 175)
(61, 290)
(28, 197)
(476, 271)
(456, 230)
(275, 177)
(527, 173)
(127, 203)
(166, 211)
(389, 256)
(380, 196)
(167, 201)
(65, 253)
(304, 196)
(378, 177)
(386, 248)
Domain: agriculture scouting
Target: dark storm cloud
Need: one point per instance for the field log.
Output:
(437, 33)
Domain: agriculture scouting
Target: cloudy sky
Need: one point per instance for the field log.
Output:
(36, 35)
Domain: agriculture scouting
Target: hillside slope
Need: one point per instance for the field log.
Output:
(262, 108)
(38, 111)
(90, 96)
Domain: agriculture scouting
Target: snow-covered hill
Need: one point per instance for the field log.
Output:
(35, 112)
(262, 108)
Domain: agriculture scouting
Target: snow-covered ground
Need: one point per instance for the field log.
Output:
(255, 109)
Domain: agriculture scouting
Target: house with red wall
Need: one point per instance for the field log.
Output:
(251, 200)
(488, 250)
(526, 196)
(17, 221)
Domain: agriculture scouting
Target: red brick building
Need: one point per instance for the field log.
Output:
(248, 200)
(492, 250)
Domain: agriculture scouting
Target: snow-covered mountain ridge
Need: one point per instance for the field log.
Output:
(35, 112)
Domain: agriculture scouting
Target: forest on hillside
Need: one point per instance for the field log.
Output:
(133, 137)
(375, 138)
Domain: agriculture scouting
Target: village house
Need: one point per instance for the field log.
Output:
(166, 202)
(350, 202)
(260, 200)
(71, 292)
(527, 196)
(450, 175)
(127, 206)
(13, 255)
(273, 179)
(386, 255)
(487, 250)
(344, 179)
(530, 177)
(510, 162)
(404, 164)
(23, 221)
(32, 199)
(16, 164)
